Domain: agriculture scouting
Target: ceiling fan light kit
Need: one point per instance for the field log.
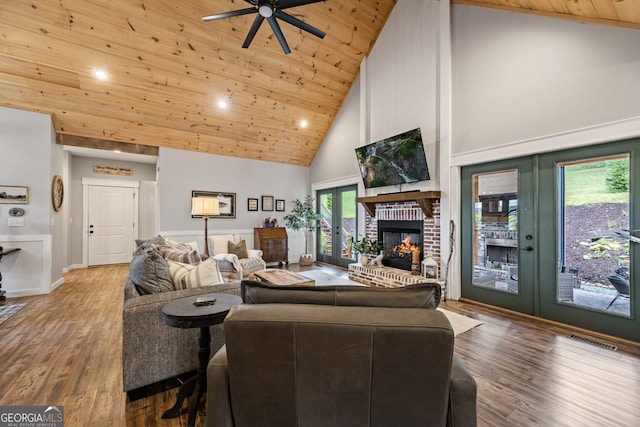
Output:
(270, 10)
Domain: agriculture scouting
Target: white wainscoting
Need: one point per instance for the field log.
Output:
(28, 271)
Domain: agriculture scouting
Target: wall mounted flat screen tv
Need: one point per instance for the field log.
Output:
(393, 161)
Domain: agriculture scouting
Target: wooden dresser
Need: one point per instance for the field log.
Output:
(274, 244)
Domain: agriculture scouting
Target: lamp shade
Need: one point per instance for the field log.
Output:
(205, 206)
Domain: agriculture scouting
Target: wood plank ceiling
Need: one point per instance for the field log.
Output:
(619, 13)
(167, 70)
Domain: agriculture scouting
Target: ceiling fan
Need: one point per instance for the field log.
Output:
(271, 9)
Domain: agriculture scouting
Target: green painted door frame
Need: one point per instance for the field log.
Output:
(338, 221)
(538, 227)
(525, 299)
(550, 308)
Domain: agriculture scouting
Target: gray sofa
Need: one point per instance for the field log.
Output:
(151, 350)
(339, 356)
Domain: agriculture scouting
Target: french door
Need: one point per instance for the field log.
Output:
(588, 214)
(498, 234)
(338, 209)
(552, 235)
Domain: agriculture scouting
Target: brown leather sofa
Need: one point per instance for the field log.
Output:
(338, 356)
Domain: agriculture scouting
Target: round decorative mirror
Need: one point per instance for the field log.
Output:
(57, 192)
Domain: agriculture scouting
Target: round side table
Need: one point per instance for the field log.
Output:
(183, 313)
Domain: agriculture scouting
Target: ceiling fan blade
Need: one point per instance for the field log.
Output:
(278, 32)
(230, 14)
(285, 4)
(300, 24)
(252, 32)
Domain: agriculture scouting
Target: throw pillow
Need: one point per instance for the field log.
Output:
(158, 240)
(186, 256)
(189, 246)
(149, 272)
(186, 276)
(239, 249)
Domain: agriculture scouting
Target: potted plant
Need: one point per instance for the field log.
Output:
(366, 247)
(303, 216)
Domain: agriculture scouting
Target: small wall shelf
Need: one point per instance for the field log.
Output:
(423, 198)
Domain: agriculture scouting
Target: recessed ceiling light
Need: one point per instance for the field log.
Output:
(223, 104)
(100, 75)
(304, 123)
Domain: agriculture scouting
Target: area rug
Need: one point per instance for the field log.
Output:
(459, 322)
(6, 311)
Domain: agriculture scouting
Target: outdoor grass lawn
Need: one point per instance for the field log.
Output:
(589, 186)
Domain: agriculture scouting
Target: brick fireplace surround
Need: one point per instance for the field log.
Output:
(399, 211)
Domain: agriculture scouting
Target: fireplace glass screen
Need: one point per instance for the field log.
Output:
(401, 243)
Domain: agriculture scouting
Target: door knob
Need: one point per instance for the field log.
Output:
(528, 248)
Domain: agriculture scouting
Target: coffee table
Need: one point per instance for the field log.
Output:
(278, 277)
(182, 313)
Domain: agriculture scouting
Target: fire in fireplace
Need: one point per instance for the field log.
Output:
(402, 243)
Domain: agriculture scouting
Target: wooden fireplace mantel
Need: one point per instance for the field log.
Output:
(423, 198)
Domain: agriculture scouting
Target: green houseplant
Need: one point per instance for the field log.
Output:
(303, 217)
(366, 247)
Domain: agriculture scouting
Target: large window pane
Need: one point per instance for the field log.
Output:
(496, 230)
(594, 268)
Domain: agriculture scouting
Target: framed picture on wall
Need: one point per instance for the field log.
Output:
(14, 195)
(252, 204)
(267, 203)
(226, 203)
(279, 205)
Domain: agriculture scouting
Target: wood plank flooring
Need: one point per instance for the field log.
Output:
(65, 349)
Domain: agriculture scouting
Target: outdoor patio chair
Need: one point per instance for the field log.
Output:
(622, 286)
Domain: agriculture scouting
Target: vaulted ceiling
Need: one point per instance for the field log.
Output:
(167, 70)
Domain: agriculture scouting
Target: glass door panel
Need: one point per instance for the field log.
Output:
(496, 230)
(593, 268)
(338, 208)
(498, 234)
(325, 206)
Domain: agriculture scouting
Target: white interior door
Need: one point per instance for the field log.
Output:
(111, 224)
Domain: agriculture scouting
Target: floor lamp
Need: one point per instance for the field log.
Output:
(205, 206)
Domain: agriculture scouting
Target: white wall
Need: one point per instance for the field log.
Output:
(401, 82)
(58, 220)
(29, 158)
(181, 172)
(336, 157)
(525, 84)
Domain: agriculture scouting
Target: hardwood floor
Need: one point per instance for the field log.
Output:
(65, 349)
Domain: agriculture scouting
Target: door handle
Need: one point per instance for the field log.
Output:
(528, 248)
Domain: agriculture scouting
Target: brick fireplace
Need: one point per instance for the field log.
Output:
(415, 214)
(412, 215)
